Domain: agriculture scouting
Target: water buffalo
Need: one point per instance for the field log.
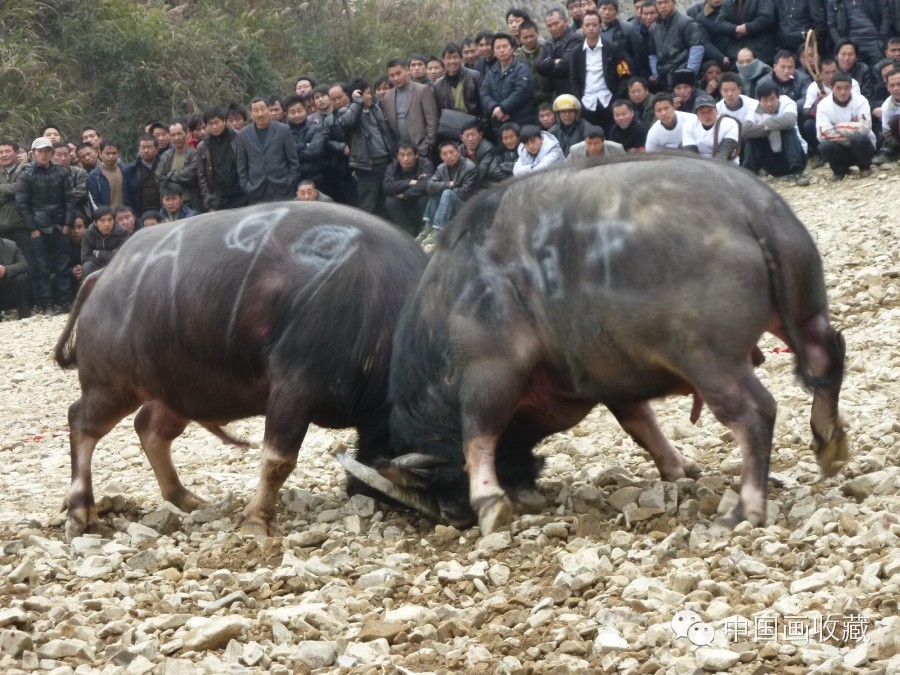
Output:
(610, 284)
(286, 310)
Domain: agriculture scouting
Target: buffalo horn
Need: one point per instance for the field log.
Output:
(410, 498)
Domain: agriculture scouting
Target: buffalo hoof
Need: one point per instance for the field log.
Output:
(493, 513)
(529, 500)
(255, 526)
(83, 521)
(185, 500)
(834, 454)
(691, 468)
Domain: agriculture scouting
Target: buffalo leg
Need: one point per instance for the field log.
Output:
(285, 429)
(823, 349)
(157, 426)
(639, 421)
(91, 417)
(488, 395)
(741, 403)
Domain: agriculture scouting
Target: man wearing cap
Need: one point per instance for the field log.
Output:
(683, 86)
(46, 203)
(711, 135)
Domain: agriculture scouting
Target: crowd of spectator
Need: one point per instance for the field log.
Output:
(769, 84)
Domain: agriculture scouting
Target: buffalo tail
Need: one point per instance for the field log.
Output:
(64, 354)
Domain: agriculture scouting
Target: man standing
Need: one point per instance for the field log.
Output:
(216, 164)
(532, 49)
(675, 42)
(11, 224)
(613, 29)
(141, 189)
(46, 204)
(411, 109)
(507, 93)
(62, 156)
(372, 146)
(458, 88)
(267, 161)
(177, 166)
(750, 24)
(844, 127)
(87, 155)
(564, 40)
(92, 136)
(106, 183)
(595, 69)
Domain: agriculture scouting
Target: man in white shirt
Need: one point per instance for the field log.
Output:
(844, 129)
(668, 129)
(734, 103)
(890, 120)
(828, 68)
(596, 70)
(771, 138)
(711, 135)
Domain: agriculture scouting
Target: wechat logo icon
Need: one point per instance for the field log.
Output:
(687, 623)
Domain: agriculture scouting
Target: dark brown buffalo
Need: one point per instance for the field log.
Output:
(612, 284)
(285, 310)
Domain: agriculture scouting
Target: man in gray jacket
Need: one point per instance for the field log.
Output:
(11, 225)
(267, 164)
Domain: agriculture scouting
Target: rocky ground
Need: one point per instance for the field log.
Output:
(592, 584)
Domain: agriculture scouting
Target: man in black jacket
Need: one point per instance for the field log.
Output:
(405, 187)
(309, 138)
(596, 94)
(555, 62)
(458, 88)
(216, 164)
(481, 151)
(46, 203)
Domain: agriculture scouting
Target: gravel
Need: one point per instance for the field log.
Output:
(592, 583)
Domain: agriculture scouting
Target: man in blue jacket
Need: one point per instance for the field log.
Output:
(507, 92)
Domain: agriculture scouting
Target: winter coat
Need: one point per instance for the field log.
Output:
(512, 89)
(396, 179)
(203, 163)
(9, 214)
(309, 139)
(464, 176)
(878, 12)
(485, 161)
(350, 118)
(100, 249)
(470, 81)
(559, 48)
(98, 186)
(671, 41)
(549, 154)
(45, 198)
(759, 15)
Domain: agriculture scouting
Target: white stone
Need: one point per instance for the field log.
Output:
(857, 657)
(139, 666)
(716, 659)
(14, 642)
(252, 654)
(24, 570)
(141, 533)
(65, 648)
(416, 614)
(363, 653)
(12, 616)
(315, 653)
(494, 543)
(609, 639)
(499, 575)
(215, 633)
(812, 583)
(95, 567)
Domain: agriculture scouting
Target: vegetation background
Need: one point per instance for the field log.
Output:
(118, 64)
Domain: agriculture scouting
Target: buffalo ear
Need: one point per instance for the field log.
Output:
(412, 470)
(415, 499)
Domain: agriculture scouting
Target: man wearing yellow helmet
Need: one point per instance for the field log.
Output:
(569, 128)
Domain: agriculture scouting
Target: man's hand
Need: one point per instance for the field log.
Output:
(452, 184)
(498, 113)
(413, 182)
(77, 272)
(66, 230)
(347, 150)
(2, 271)
(35, 234)
(741, 31)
